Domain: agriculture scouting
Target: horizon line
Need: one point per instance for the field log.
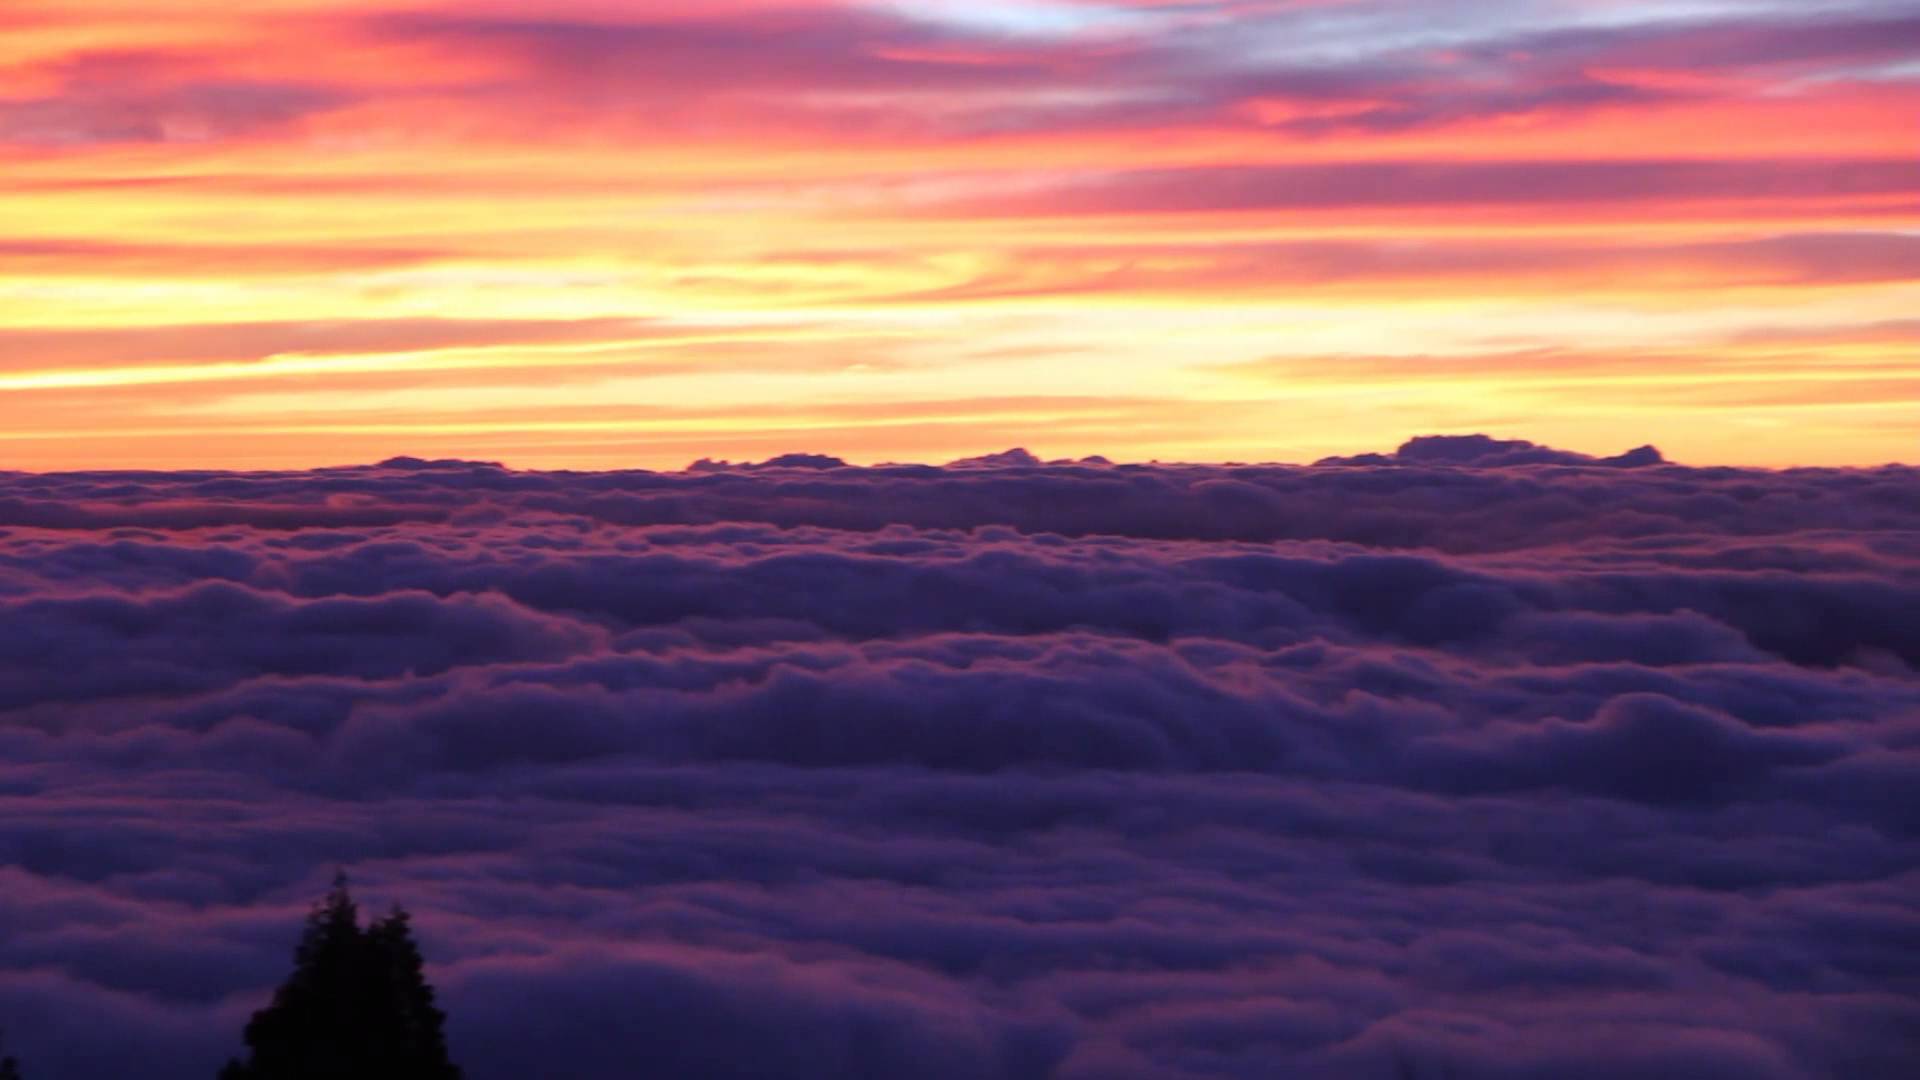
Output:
(1447, 451)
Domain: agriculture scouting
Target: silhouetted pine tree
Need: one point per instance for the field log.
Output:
(357, 1006)
(417, 1037)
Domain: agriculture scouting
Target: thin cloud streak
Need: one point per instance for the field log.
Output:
(959, 202)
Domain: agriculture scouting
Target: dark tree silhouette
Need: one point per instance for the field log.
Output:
(9, 1067)
(357, 1006)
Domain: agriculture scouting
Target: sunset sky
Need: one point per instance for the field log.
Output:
(604, 233)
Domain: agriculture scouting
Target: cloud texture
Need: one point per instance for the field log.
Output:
(1478, 757)
(608, 233)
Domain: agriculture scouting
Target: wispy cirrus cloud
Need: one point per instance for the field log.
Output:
(956, 185)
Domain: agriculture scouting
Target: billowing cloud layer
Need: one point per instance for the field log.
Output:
(1477, 759)
(606, 233)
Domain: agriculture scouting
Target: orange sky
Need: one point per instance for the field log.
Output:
(625, 233)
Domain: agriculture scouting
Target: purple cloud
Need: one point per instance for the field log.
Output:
(1481, 759)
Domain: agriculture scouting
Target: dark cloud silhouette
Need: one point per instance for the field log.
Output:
(1484, 452)
(1480, 758)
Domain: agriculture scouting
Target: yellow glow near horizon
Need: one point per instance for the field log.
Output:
(630, 234)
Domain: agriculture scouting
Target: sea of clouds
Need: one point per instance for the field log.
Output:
(1476, 760)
